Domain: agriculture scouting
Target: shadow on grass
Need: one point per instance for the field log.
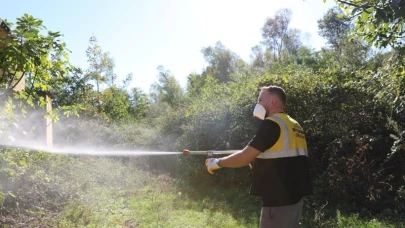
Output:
(234, 201)
(316, 212)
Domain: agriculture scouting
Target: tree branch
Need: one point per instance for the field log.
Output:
(351, 4)
(348, 3)
(33, 81)
(3, 73)
(22, 76)
(11, 80)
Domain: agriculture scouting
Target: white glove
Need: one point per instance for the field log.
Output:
(212, 164)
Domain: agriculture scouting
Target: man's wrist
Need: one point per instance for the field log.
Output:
(219, 162)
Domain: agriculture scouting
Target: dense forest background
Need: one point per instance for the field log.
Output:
(349, 97)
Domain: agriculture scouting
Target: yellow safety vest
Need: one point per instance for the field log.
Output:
(291, 142)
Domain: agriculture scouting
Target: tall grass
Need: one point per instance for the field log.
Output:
(106, 192)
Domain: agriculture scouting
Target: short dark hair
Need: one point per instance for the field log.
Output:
(277, 91)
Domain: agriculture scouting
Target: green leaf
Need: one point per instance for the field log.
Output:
(23, 162)
(12, 195)
(364, 16)
(394, 137)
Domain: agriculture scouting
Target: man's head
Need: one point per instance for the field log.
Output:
(273, 99)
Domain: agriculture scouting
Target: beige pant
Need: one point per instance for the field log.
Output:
(281, 217)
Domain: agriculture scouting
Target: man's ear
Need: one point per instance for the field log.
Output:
(272, 100)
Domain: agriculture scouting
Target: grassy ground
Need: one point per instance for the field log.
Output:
(110, 193)
(163, 203)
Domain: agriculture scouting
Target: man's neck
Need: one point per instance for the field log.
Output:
(280, 110)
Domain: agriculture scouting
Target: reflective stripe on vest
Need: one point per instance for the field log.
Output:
(287, 151)
(286, 138)
(283, 153)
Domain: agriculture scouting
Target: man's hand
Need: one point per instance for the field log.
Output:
(212, 164)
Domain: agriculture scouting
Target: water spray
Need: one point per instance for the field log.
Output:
(83, 151)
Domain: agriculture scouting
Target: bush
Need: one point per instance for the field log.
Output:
(362, 174)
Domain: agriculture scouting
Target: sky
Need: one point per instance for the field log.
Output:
(140, 35)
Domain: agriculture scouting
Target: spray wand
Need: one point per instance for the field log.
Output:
(208, 153)
(211, 153)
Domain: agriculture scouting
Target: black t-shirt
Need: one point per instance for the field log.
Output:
(267, 135)
(281, 181)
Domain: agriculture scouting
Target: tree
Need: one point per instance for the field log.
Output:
(167, 89)
(381, 23)
(292, 42)
(278, 38)
(352, 52)
(33, 54)
(307, 57)
(28, 53)
(378, 22)
(139, 103)
(221, 62)
(100, 69)
(116, 105)
(194, 84)
(117, 101)
(71, 90)
(127, 81)
(334, 27)
(257, 57)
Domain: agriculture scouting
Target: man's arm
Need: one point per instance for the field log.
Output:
(241, 158)
(266, 137)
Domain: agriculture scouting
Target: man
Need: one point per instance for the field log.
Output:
(281, 171)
